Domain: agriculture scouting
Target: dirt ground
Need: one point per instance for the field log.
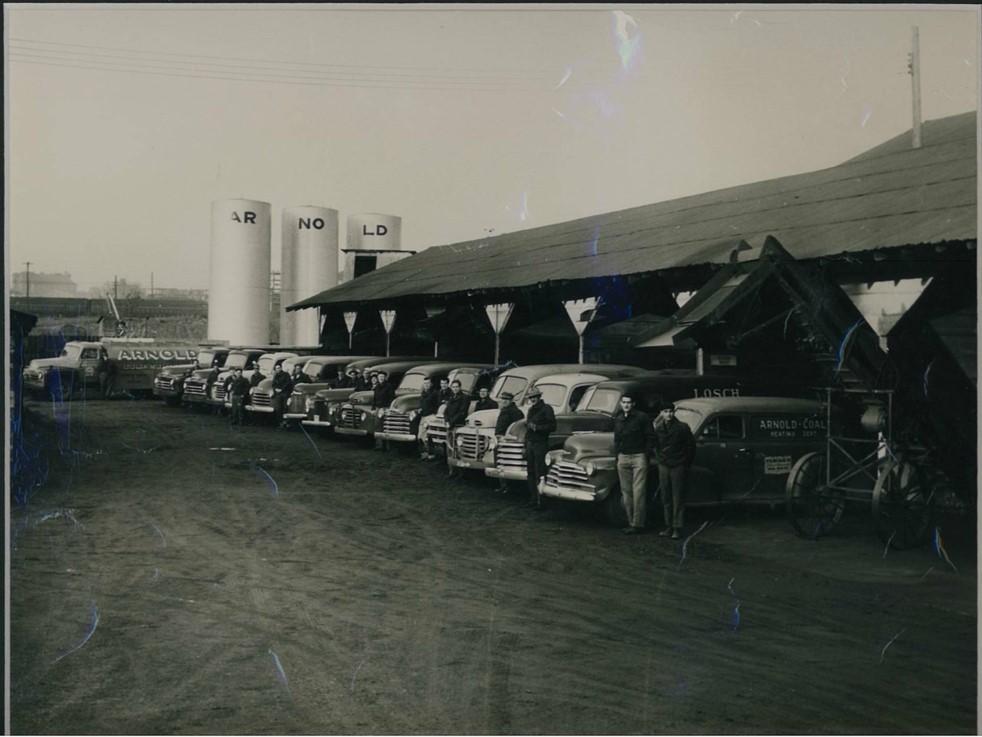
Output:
(172, 574)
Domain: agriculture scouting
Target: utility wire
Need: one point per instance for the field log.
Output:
(280, 78)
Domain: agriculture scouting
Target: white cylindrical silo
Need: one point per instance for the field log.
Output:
(238, 281)
(375, 232)
(309, 265)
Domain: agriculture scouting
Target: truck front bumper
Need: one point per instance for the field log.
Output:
(399, 437)
(507, 473)
(259, 408)
(568, 493)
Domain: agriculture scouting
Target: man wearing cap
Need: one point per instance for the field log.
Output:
(633, 440)
(382, 396)
(541, 421)
(282, 385)
(508, 414)
(455, 414)
(675, 449)
(237, 387)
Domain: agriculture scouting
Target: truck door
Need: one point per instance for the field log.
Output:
(89, 365)
(724, 465)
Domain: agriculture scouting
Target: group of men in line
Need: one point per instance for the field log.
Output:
(237, 388)
(636, 438)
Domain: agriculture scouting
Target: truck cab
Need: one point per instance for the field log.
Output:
(745, 448)
(471, 445)
(321, 370)
(264, 366)
(168, 384)
(355, 415)
(261, 397)
(321, 407)
(597, 405)
(398, 420)
(199, 385)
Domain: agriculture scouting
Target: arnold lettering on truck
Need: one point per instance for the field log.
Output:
(164, 354)
(807, 427)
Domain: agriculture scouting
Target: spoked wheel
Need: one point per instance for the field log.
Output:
(813, 508)
(903, 505)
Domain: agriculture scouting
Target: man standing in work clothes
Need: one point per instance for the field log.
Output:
(633, 441)
(238, 389)
(382, 395)
(429, 403)
(282, 386)
(509, 413)
(675, 449)
(455, 415)
(484, 401)
(540, 423)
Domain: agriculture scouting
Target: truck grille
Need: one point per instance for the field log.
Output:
(474, 445)
(261, 399)
(570, 475)
(350, 417)
(195, 387)
(166, 382)
(396, 422)
(219, 392)
(296, 404)
(436, 432)
(510, 454)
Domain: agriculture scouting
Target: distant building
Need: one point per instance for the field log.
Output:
(42, 285)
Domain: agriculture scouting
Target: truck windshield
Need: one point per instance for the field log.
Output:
(71, 351)
(412, 382)
(599, 400)
(289, 363)
(467, 380)
(266, 364)
(312, 368)
(689, 417)
(205, 358)
(236, 360)
(514, 384)
(552, 394)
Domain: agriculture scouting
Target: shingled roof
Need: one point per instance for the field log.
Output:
(889, 196)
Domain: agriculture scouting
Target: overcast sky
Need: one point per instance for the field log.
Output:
(124, 123)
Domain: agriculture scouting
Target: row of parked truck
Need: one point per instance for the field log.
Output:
(747, 443)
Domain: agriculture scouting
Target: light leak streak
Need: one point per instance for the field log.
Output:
(355, 675)
(569, 71)
(280, 675)
(886, 548)
(92, 625)
(140, 450)
(939, 548)
(559, 114)
(867, 114)
(627, 46)
(926, 372)
(276, 489)
(786, 319)
(926, 573)
(736, 609)
(313, 445)
(892, 639)
(164, 539)
(845, 344)
(685, 543)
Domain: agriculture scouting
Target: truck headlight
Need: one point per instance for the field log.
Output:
(381, 413)
(553, 456)
(459, 440)
(493, 442)
(591, 468)
(363, 416)
(413, 415)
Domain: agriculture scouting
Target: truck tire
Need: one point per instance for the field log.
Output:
(613, 508)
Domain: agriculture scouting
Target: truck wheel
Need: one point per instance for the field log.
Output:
(613, 508)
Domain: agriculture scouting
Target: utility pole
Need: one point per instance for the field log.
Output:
(115, 287)
(28, 264)
(151, 283)
(914, 68)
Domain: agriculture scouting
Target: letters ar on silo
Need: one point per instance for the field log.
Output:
(248, 217)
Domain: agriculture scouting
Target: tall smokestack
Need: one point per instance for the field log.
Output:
(915, 82)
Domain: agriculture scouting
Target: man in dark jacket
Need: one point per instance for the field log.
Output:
(675, 449)
(484, 401)
(282, 386)
(429, 403)
(508, 414)
(445, 391)
(299, 376)
(540, 423)
(633, 441)
(382, 395)
(237, 387)
(455, 414)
